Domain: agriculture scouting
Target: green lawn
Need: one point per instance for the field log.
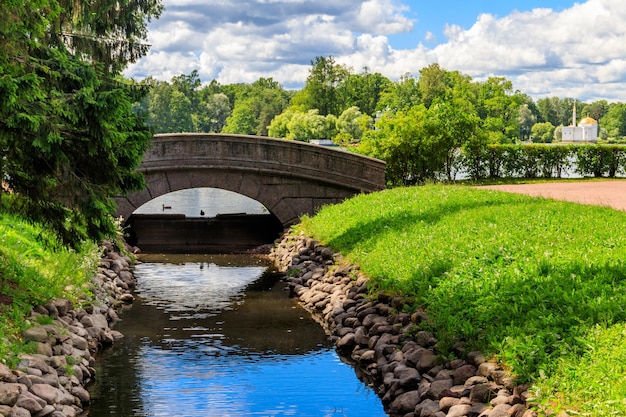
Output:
(540, 284)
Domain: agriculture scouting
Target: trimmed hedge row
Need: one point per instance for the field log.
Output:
(543, 161)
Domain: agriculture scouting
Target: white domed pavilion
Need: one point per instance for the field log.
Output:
(586, 131)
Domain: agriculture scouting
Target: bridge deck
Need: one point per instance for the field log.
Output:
(289, 178)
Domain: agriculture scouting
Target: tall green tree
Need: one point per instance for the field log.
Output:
(351, 125)
(69, 140)
(173, 106)
(543, 132)
(526, 120)
(451, 124)
(558, 111)
(597, 110)
(211, 114)
(158, 105)
(400, 139)
(421, 144)
(242, 120)
(498, 107)
(615, 121)
(109, 32)
(400, 95)
(278, 127)
(547, 111)
(255, 105)
(181, 109)
(303, 126)
(189, 86)
(364, 91)
(434, 83)
(324, 89)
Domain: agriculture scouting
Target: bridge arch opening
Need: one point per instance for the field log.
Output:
(202, 202)
(202, 220)
(290, 178)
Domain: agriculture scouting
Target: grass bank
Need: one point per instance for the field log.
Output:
(539, 284)
(34, 269)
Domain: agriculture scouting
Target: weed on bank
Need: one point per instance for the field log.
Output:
(34, 269)
(537, 283)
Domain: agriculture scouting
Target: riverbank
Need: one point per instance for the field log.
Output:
(534, 283)
(403, 363)
(52, 380)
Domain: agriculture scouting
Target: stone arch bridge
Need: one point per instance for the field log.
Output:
(289, 178)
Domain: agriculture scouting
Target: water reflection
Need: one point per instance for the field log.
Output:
(197, 345)
(175, 288)
(275, 385)
(202, 202)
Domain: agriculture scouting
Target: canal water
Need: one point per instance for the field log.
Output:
(219, 336)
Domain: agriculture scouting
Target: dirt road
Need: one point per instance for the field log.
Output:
(602, 193)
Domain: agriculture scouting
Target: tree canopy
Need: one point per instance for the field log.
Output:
(68, 136)
(347, 107)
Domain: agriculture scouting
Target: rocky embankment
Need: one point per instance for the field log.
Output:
(390, 352)
(51, 382)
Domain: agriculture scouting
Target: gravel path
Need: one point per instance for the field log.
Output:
(610, 193)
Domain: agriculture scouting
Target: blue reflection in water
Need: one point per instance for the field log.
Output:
(213, 339)
(315, 384)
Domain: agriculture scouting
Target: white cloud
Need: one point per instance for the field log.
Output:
(383, 17)
(577, 52)
(176, 36)
(544, 52)
(375, 53)
(164, 65)
(612, 72)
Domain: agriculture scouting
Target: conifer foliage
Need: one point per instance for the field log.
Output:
(69, 140)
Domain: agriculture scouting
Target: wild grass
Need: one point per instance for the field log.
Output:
(539, 284)
(34, 269)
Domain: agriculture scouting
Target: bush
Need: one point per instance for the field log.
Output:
(554, 160)
(543, 161)
(600, 160)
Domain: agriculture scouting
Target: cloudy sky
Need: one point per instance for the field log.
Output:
(546, 47)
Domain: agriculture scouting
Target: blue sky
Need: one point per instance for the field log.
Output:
(433, 16)
(546, 48)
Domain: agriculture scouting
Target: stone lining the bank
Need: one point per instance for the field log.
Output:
(390, 353)
(52, 381)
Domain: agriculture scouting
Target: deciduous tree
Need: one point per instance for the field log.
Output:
(498, 106)
(543, 132)
(255, 106)
(212, 113)
(351, 125)
(364, 91)
(526, 120)
(324, 89)
(400, 95)
(615, 120)
(421, 143)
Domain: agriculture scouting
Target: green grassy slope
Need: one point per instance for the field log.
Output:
(35, 269)
(539, 284)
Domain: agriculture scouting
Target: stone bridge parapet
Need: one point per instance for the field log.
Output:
(289, 178)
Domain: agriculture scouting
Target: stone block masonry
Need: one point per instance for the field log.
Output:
(289, 178)
(403, 363)
(52, 381)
